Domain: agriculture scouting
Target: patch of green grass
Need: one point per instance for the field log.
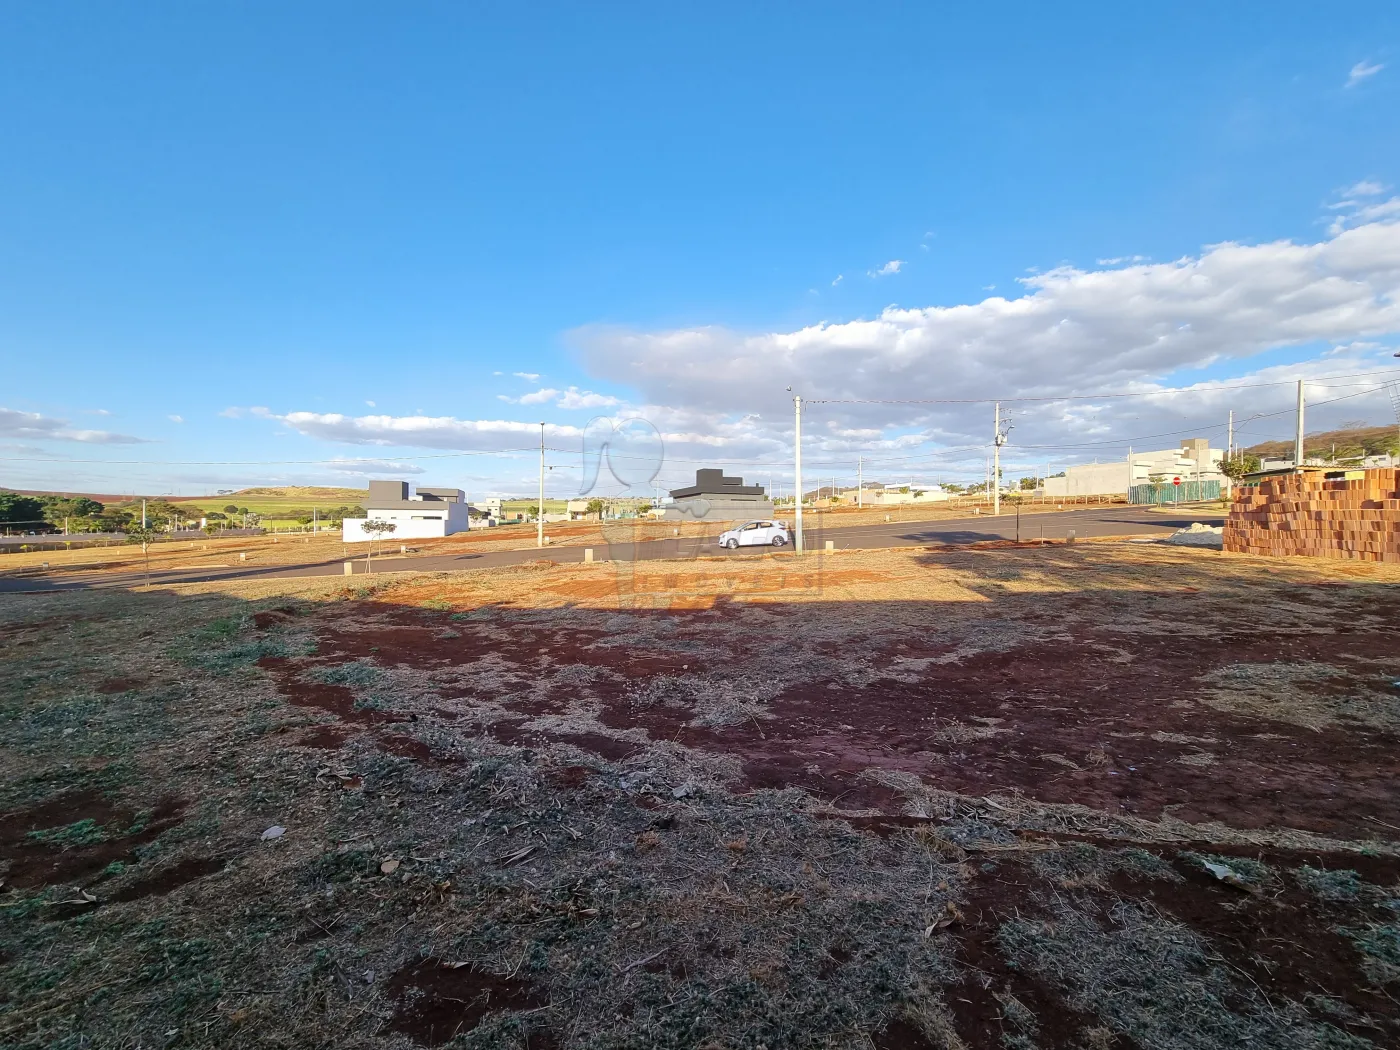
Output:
(1248, 871)
(1342, 884)
(1379, 945)
(1154, 981)
(356, 672)
(85, 832)
(1079, 863)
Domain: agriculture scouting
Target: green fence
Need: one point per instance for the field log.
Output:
(1186, 492)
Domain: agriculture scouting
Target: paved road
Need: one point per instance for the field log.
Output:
(1099, 521)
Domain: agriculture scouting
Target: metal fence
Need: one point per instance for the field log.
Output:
(1186, 492)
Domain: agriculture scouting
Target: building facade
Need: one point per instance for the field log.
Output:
(416, 513)
(1194, 461)
(715, 497)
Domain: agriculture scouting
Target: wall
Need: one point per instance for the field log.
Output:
(1354, 515)
(1093, 479)
(426, 520)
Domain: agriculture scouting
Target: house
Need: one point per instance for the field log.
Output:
(715, 497)
(877, 495)
(416, 513)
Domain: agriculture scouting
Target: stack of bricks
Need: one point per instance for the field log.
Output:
(1355, 516)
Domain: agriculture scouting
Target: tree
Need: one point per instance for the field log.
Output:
(1029, 484)
(232, 508)
(23, 511)
(1238, 465)
(67, 514)
(954, 488)
(595, 506)
(114, 519)
(377, 530)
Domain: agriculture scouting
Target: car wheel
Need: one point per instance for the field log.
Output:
(778, 541)
(732, 544)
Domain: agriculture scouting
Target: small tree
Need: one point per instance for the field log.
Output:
(1238, 465)
(595, 506)
(232, 508)
(378, 530)
(145, 537)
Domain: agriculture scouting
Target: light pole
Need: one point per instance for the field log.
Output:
(797, 463)
(539, 520)
(1298, 436)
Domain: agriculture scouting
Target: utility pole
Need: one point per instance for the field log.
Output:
(797, 463)
(1000, 439)
(860, 482)
(143, 513)
(1298, 437)
(539, 520)
(1230, 436)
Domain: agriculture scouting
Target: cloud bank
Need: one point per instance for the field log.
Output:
(33, 425)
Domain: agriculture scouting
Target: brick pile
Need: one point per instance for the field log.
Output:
(1355, 516)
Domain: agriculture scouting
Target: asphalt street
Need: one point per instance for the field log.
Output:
(1093, 522)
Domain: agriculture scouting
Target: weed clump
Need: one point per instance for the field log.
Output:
(1338, 885)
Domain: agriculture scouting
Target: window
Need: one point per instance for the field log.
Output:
(750, 525)
(426, 517)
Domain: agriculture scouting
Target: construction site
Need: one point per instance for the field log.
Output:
(1087, 794)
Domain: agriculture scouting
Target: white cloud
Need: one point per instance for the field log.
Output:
(370, 403)
(176, 419)
(890, 267)
(34, 426)
(98, 412)
(839, 278)
(574, 398)
(1352, 212)
(1071, 332)
(1362, 71)
(717, 396)
(361, 467)
(537, 397)
(1364, 188)
(445, 432)
(232, 412)
(532, 377)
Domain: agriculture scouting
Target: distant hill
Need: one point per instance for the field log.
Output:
(1355, 441)
(313, 493)
(102, 497)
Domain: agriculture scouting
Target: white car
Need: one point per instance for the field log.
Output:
(755, 534)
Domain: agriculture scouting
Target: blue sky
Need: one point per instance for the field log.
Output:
(259, 218)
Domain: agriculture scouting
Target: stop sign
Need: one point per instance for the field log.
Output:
(1176, 481)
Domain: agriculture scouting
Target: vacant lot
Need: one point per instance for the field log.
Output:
(1104, 796)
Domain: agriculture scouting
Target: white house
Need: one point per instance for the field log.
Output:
(416, 513)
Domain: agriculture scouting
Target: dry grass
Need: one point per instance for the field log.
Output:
(482, 805)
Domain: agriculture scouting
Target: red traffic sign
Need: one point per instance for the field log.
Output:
(1176, 481)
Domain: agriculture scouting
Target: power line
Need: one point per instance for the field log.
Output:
(1166, 391)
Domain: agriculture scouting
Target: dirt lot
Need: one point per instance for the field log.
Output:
(1102, 796)
(294, 548)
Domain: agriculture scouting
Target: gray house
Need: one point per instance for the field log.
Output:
(715, 497)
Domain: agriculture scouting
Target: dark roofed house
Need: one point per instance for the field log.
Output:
(715, 497)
